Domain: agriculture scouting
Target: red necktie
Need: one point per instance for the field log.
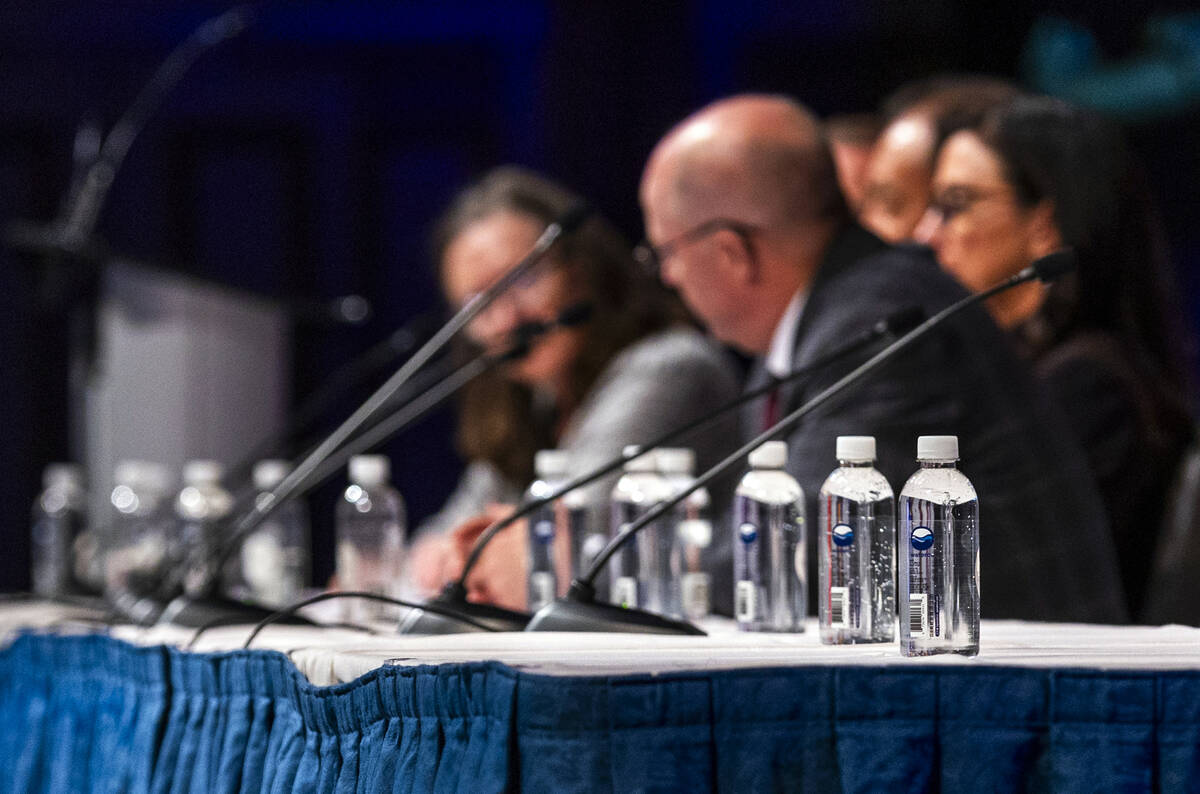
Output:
(771, 408)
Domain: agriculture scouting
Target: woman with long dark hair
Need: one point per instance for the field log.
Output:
(1108, 340)
(636, 368)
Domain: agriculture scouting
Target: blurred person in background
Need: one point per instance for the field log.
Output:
(636, 369)
(1037, 175)
(918, 115)
(851, 138)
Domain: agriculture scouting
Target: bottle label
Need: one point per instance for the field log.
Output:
(695, 595)
(839, 607)
(625, 592)
(918, 615)
(843, 536)
(743, 602)
(543, 530)
(541, 589)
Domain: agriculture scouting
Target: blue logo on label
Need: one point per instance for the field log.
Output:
(922, 538)
(748, 532)
(843, 535)
(544, 530)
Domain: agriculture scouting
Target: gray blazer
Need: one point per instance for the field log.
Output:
(652, 386)
(1046, 552)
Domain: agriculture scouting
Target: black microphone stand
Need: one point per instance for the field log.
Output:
(580, 611)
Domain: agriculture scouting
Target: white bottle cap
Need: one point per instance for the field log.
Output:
(549, 463)
(937, 448)
(64, 475)
(369, 470)
(646, 462)
(675, 460)
(771, 455)
(856, 448)
(202, 472)
(269, 473)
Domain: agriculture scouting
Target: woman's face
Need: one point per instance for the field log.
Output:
(476, 258)
(980, 232)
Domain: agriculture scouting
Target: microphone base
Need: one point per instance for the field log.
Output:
(219, 611)
(572, 614)
(420, 621)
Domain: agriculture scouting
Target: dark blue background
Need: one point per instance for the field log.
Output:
(308, 157)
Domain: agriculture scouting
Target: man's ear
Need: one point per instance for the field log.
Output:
(1044, 235)
(736, 257)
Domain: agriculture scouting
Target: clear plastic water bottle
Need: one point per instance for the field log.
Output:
(938, 539)
(141, 534)
(691, 532)
(549, 531)
(202, 507)
(640, 568)
(856, 565)
(58, 523)
(770, 569)
(273, 566)
(370, 537)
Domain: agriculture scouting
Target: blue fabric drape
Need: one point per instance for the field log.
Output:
(95, 714)
(92, 713)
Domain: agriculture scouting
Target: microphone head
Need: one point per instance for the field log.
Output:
(574, 216)
(576, 314)
(901, 322)
(1054, 264)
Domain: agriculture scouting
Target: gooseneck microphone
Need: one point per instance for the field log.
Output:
(204, 607)
(454, 596)
(579, 610)
(569, 221)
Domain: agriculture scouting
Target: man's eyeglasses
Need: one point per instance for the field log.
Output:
(652, 257)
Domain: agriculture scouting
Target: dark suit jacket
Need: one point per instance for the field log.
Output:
(1046, 552)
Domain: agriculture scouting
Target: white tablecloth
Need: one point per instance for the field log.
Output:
(328, 656)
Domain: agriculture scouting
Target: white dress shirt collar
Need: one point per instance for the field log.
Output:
(778, 361)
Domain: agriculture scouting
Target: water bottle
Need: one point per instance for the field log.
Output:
(273, 566)
(58, 522)
(370, 537)
(202, 507)
(141, 534)
(640, 568)
(938, 536)
(691, 532)
(769, 566)
(855, 550)
(549, 532)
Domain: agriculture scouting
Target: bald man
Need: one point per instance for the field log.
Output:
(744, 218)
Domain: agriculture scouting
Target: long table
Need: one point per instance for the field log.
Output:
(1043, 707)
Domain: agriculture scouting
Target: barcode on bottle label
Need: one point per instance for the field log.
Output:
(625, 592)
(695, 595)
(918, 614)
(541, 589)
(839, 607)
(743, 602)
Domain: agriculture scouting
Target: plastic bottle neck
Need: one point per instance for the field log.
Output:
(855, 464)
(939, 464)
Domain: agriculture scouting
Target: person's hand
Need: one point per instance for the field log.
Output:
(433, 561)
(499, 577)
